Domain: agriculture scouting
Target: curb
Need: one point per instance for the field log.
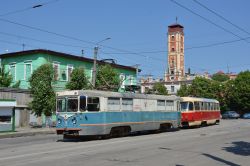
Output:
(24, 134)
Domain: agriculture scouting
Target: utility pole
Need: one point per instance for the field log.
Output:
(94, 66)
(95, 59)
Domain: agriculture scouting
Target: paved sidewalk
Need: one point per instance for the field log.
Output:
(27, 131)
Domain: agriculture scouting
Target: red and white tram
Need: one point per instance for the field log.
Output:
(199, 111)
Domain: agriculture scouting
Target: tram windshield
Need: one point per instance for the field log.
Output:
(70, 104)
(67, 104)
(184, 106)
(61, 105)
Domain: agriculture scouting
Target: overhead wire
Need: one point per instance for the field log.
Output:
(20, 44)
(207, 20)
(28, 8)
(122, 50)
(42, 41)
(220, 16)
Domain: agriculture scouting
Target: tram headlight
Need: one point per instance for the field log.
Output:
(74, 120)
(59, 121)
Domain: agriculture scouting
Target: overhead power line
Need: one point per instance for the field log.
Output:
(19, 44)
(220, 16)
(207, 20)
(73, 38)
(42, 41)
(28, 8)
(187, 48)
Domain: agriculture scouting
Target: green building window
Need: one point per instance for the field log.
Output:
(70, 69)
(27, 70)
(12, 68)
(56, 67)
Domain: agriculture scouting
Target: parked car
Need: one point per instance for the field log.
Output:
(230, 115)
(246, 116)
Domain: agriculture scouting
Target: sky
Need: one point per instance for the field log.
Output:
(216, 31)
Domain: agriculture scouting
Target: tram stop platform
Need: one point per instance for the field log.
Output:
(27, 131)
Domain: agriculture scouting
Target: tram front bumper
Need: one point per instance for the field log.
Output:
(67, 131)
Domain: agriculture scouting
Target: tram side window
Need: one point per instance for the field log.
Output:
(72, 105)
(208, 106)
(127, 104)
(191, 106)
(93, 104)
(169, 105)
(82, 103)
(212, 106)
(113, 104)
(196, 105)
(202, 106)
(160, 105)
(160, 102)
(217, 106)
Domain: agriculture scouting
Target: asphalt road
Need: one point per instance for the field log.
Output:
(224, 144)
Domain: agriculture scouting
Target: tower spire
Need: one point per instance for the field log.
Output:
(176, 19)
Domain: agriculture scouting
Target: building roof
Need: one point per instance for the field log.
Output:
(175, 26)
(43, 51)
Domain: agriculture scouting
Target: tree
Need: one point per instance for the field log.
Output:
(78, 80)
(6, 79)
(159, 89)
(205, 88)
(239, 98)
(221, 77)
(107, 78)
(183, 91)
(41, 89)
(201, 87)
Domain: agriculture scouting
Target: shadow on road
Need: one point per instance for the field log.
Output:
(220, 160)
(72, 138)
(239, 148)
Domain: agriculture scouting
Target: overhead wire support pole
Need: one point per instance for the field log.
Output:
(95, 60)
(94, 66)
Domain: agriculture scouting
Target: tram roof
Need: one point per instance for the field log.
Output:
(97, 93)
(199, 99)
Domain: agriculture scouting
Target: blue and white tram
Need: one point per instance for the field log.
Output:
(91, 112)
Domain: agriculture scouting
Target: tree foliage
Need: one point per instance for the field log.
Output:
(204, 88)
(221, 77)
(6, 79)
(159, 89)
(239, 98)
(183, 91)
(107, 78)
(78, 80)
(41, 89)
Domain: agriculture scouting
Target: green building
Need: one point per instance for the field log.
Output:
(22, 64)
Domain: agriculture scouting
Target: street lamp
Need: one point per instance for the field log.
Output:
(95, 57)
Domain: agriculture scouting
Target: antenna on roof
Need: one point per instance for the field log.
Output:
(82, 53)
(176, 19)
(23, 46)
